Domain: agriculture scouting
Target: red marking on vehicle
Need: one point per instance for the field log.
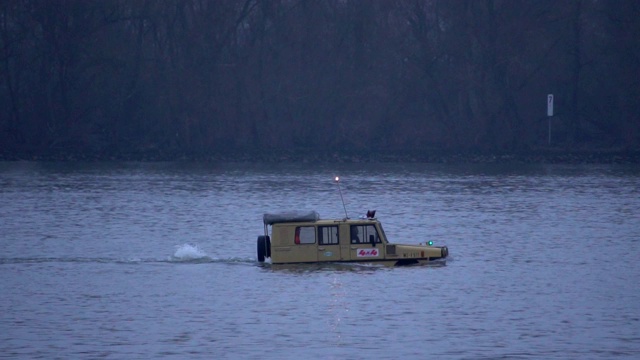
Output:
(368, 253)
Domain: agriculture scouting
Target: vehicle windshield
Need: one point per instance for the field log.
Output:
(382, 233)
(360, 234)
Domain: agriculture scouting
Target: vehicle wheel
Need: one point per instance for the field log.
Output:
(268, 242)
(267, 245)
(262, 248)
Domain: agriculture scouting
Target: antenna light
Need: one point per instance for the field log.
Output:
(346, 216)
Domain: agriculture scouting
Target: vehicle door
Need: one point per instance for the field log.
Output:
(329, 243)
(365, 242)
(305, 246)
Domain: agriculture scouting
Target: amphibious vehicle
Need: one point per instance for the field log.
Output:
(297, 237)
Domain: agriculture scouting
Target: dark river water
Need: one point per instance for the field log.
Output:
(158, 260)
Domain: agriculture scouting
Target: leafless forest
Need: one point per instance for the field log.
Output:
(109, 77)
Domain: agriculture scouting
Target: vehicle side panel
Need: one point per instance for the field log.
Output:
(349, 241)
(328, 239)
(284, 249)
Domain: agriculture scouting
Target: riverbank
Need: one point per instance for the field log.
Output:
(309, 156)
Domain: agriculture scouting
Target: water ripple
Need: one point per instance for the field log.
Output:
(544, 262)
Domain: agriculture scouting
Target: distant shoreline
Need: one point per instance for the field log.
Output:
(309, 156)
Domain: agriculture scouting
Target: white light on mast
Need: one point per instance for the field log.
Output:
(346, 216)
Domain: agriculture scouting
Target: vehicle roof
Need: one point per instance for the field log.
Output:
(351, 221)
(291, 216)
(312, 217)
(329, 222)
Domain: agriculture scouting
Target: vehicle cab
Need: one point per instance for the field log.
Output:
(305, 238)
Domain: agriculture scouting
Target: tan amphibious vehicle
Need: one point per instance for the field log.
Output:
(305, 238)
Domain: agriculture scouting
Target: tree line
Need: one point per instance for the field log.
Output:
(197, 76)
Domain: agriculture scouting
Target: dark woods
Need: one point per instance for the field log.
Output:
(227, 76)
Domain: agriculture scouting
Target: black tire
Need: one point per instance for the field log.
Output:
(268, 241)
(262, 248)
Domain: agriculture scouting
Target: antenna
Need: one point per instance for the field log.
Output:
(346, 216)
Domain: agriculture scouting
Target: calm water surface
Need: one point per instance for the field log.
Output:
(157, 260)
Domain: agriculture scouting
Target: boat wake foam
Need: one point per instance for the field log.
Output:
(184, 254)
(189, 253)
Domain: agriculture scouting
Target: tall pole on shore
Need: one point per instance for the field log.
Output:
(549, 114)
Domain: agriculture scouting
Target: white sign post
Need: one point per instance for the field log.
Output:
(549, 113)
